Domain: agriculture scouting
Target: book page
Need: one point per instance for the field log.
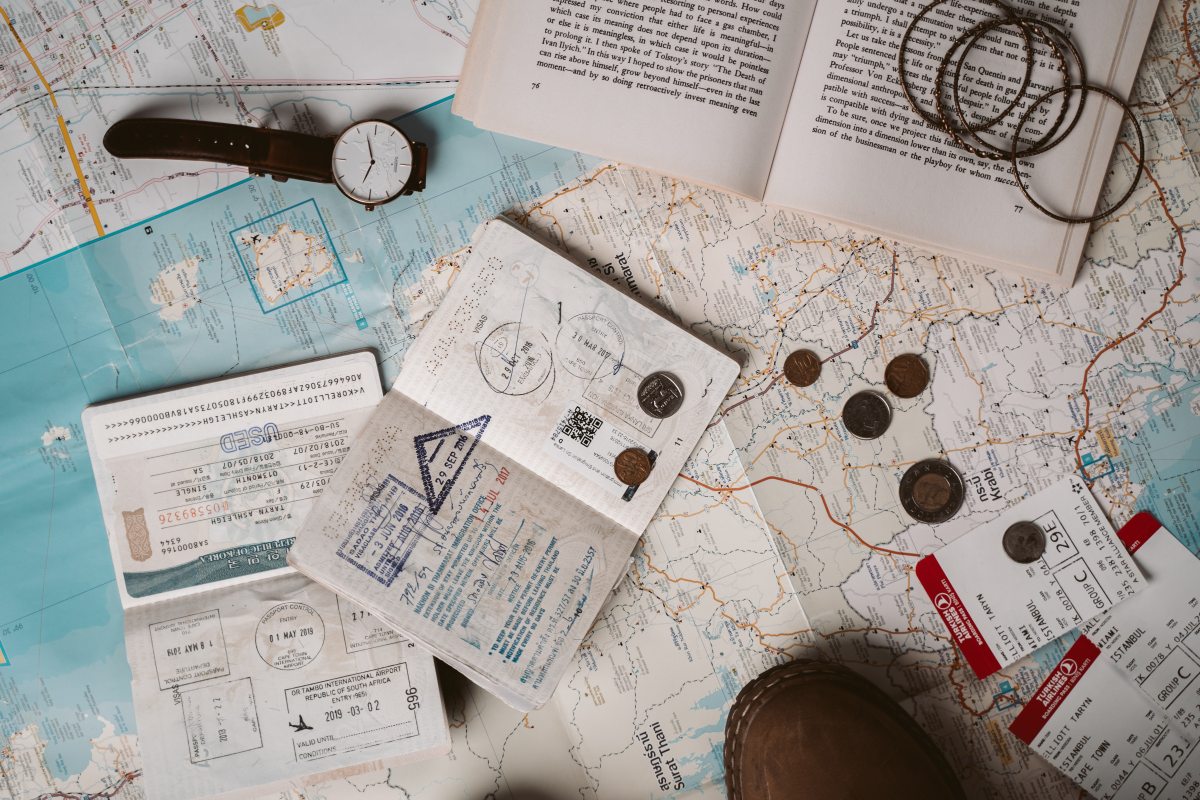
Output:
(559, 361)
(497, 572)
(269, 685)
(852, 149)
(696, 88)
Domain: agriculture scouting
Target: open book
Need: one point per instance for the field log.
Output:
(482, 512)
(248, 677)
(799, 103)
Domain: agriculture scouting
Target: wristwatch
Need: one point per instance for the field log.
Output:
(372, 162)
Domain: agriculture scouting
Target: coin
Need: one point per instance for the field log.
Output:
(660, 395)
(906, 375)
(932, 491)
(1024, 542)
(633, 466)
(802, 367)
(867, 415)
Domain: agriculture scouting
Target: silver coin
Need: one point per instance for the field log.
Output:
(1024, 542)
(867, 415)
(660, 395)
(932, 491)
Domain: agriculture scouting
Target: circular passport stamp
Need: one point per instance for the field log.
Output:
(515, 359)
(290, 635)
(588, 343)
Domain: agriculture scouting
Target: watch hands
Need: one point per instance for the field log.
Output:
(371, 154)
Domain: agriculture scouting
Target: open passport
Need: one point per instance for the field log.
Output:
(251, 677)
(479, 512)
(798, 102)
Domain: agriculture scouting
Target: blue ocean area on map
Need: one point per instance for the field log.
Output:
(1163, 452)
(180, 298)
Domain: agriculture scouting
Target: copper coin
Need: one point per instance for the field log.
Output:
(633, 466)
(1024, 542)
(867, 415)
(932, 491)
(802, 367)
(906, 375)
(660, 395)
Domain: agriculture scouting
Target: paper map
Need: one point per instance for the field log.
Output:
(782, 537)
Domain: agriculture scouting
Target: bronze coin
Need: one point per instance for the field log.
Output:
(906, 375)
(660, 395)
(932, 491)
(802, 367)
(1024, 542)
(633, 466)
(867, 415)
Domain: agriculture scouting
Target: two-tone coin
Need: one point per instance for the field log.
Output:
(633, 466)
(932, 491)
(906, 375)
(867, 415)
(802, 367)
(1024, 542)
(660, 394)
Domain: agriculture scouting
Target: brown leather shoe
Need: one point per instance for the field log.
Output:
(814, 730)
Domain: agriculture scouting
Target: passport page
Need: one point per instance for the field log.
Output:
(493, 569)
(555, 355)
(208, 484)
(273, 684)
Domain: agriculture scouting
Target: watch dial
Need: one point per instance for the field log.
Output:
(372, 162)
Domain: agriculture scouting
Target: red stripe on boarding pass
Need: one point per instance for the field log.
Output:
(1138, 531)
(1054, 690)
(963, 629)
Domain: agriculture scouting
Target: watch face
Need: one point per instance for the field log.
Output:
(371, 162)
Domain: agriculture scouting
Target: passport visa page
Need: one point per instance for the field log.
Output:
(207, 484)
(478, 513)
(275, 684)
(250, 675)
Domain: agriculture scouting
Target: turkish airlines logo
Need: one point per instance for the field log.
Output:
(943, 601)
(1068, 667)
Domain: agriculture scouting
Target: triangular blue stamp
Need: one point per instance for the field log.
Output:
(441, 455)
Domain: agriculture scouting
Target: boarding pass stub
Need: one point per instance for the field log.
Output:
(998, 610)
(1155, 637)
(1090, 722)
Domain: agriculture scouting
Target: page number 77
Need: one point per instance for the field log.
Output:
(1018, 209)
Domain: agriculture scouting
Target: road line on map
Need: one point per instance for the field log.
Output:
(706, 588)
(62, 126)
(824, 503)
(1115, 343)
(850, 346)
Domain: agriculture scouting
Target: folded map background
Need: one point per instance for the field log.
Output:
(1028, 383)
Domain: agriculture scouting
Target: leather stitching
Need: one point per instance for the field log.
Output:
(743, 703)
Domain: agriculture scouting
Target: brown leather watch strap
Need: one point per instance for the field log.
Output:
(282, 154)
(416, 181)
